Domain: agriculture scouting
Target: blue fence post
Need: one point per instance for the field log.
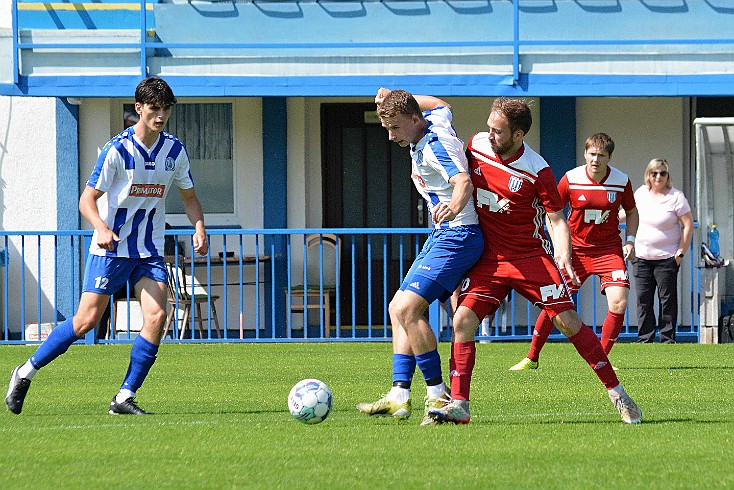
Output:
(434, 317)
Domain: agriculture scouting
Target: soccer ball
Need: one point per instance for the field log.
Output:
(310, 401)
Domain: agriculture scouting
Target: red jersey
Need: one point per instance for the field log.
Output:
(512, 197)
(594, 208)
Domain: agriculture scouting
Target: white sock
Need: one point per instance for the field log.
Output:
(436, 391)
(124, 395)
(616, 392)
(27, 370)
(399, 395)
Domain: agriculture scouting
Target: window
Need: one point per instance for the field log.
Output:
(206, 131)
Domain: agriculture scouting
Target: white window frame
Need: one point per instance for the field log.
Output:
(211, 219)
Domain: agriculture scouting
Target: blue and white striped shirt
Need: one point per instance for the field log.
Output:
(136, 181)
(437, 157)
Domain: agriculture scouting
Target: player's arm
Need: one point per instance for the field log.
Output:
(463, 190)
(632, 219)
(686, 235)
(425, 102)
(561, 236)
(88, 207)
(192, 207)
(428, 102)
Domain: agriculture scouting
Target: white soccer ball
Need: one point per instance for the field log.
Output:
(310, 401)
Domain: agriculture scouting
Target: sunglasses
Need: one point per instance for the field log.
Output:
(662, 173)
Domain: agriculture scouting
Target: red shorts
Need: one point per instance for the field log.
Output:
(610, 268)
(536, 278)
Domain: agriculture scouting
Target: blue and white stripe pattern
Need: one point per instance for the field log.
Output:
(437, 157)
(136, 181)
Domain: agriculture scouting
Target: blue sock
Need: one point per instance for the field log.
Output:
(57, 342)
(430, 365)
(142, 357)
(403, 368)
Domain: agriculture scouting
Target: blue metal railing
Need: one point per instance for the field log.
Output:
(516, 42)
(255, 298)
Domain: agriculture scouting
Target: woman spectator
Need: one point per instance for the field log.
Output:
(660, 247)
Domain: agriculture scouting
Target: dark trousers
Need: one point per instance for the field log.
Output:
(663, 275)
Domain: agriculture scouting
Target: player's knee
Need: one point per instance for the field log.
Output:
(465, 323)
(618, 306)
(156, 317)
(567, 322)
(404, 310)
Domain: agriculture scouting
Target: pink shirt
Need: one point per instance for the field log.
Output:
(659, 233)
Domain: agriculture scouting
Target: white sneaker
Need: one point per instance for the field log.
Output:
(456, 411)
(627, 408)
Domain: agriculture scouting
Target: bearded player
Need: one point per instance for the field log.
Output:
(514, 189)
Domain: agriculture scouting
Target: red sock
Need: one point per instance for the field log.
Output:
(613, 324)
(588, 345)
(464, 355)
(452, 361)
(543, 328)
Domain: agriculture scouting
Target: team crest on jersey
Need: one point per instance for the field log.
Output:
(170, 164)
(418, 157)
(612, 196)
(514, 184)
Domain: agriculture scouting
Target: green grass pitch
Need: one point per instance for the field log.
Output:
(221, 421)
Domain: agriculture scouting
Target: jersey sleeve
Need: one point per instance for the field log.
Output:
(563, 189)
(182, 177)
(548, 191)
(440, 111)
(628, 197)
(450, 156)
(105, 169)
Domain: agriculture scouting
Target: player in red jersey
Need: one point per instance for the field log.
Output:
(595, 193)
(514, 189)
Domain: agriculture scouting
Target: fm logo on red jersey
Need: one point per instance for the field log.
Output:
(491, 200)
(596, 216)
(553, 291)
(621, 275)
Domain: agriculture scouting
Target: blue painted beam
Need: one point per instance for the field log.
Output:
(275, 202)
(540, 85)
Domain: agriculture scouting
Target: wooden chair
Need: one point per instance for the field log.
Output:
(110, 315)
(314, 289)
(178, 289)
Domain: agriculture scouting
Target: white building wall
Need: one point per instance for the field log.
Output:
(28, 202)
(303, 192)
(5, 14)
(248, 155)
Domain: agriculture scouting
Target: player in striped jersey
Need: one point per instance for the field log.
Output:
(515, 189)
(595, 192)
(440, 174)
(136, 170)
